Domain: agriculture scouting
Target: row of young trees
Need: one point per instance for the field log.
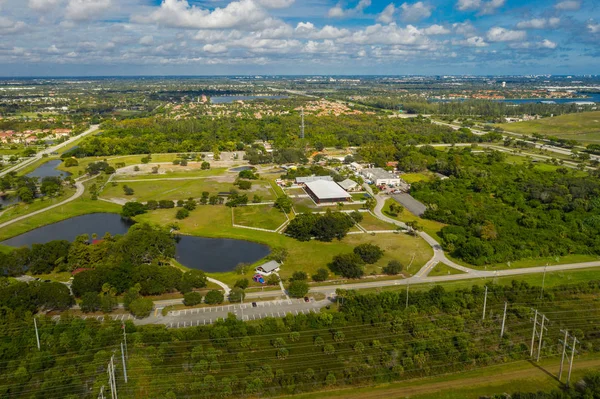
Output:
(373, 339)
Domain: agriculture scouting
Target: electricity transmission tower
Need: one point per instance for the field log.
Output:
(571, 347)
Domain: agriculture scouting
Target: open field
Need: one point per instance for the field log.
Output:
(441, 269)
(182, 189)
(522, 376)
(584, 127)
(431, 227)
(22, 208)
(415, 177)
(307, 205)
(215, 221)
(371, 223)
(261, 216)
(126, 159)
(173, 171)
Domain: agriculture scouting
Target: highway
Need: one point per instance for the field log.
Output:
(48, 151)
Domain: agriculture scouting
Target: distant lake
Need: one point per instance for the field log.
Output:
(230, 99)
(48, 169)
(208, 254)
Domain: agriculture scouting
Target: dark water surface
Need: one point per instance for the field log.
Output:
(208, 254)
(48, 170)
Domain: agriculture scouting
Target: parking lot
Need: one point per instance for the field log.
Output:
(246, 312)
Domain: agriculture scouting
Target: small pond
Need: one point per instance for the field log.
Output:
(48, 169)
(8, 200)
(230, 99)
(208, 254)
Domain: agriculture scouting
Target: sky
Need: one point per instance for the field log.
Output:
(298, 37)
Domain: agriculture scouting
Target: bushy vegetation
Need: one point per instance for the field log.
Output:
(499, 212)
(373, 339)
(323, 227)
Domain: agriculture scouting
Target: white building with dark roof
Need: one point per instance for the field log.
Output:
(323, 191)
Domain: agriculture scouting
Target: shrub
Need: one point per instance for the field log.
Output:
(393, 267)
(284, 204)
(369, 253)
(273, 279)
(357, 216)
(242, 283)
(182, 213)
(141, 307)
(214, 297)
(166, 204)
(299, 276)
(298, 289)
(192, 298)
(205, 166)
(244, 184)
(90, 302)
(321, 275)
(70, 162)
(132, 209)
(127, 190)
(236, 295)
(348, 265)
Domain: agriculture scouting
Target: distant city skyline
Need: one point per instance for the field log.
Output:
(294, 37)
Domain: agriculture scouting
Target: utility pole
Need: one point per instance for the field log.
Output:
(124, 365)
(125, 338)
(484, 302)
(37, 335)
(302, 125)
(575, 341)
(407, 287)
(564, 352)
(503, 320)
(533, 334)
(543, 282)
(101, 394)
(111, 377)
(544, 318)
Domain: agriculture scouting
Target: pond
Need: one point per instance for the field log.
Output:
(230, 99)
(48, 169)
(208, 254)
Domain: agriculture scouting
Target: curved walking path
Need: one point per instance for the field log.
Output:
(220, 284)
(78, 193)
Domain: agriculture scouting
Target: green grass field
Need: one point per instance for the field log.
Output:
(371, 223)
(416, 177)
(182, 189)
(21, 208)
(442, 269)
(584, 127)
(431, 227)
(261, 216)
(215, 221)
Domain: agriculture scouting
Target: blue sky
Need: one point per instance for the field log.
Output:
(204, 37)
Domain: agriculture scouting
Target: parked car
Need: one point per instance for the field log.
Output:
(306, 299)
(254, 304)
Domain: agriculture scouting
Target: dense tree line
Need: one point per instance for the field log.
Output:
(157, 135)
(373, 339)
(499, 212)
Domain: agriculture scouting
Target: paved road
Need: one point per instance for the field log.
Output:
(48, 151)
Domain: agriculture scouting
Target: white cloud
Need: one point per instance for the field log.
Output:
(237, 14)
(214, 48)
(415, 12)
(547, 44)
(336, 12)
(389, 34)
(568, 5)
(147, 40)
(436, 30)
(464, 28)
(84, 10)
(308, 30)
(43, 5)
(53, 49)
(8, 26)
(593, 27)
(498, 34)
(484, 7)
(539, 23)
(276, 3)
(387, 15)
(476, 41)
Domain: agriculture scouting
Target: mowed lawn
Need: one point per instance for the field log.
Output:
(215, 221)
(261, 216)
(416, 177)
(442, 269)
(181, 189)
(371, 223)
(431, 227)
(584, 126)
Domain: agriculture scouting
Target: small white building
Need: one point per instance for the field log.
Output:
(356, 166)
(380, 176)
(268, 268)
(349, 185)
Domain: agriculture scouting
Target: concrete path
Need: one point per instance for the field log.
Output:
(220, 284)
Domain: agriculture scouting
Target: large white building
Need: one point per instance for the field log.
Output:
(326, 191)
(380, 176)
